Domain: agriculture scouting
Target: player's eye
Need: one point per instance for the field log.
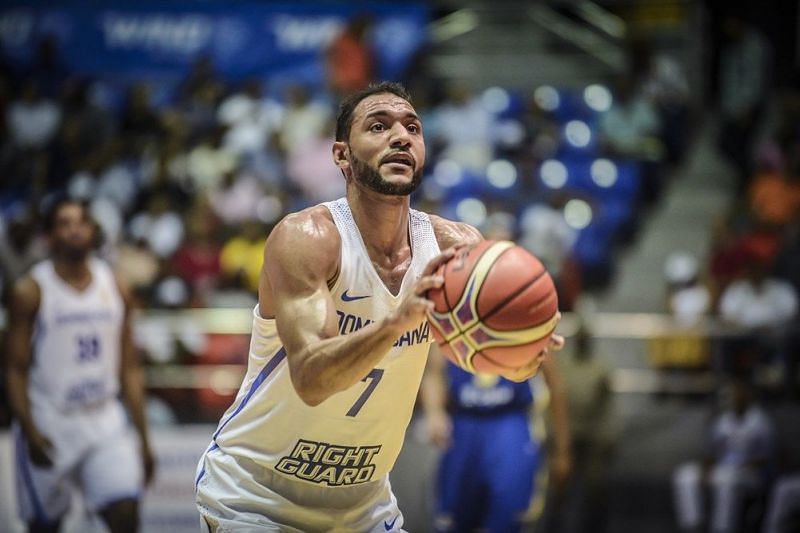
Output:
(413, 128)
(377, 127)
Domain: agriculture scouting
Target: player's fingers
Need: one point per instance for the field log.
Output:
(434, 264)
(556, 342)
(426, 283)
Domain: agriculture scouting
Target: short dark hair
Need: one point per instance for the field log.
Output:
(344, 120)
(52, 209)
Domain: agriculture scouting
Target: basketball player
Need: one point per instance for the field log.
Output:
(339, 342)
(71, 354)
(491, 461)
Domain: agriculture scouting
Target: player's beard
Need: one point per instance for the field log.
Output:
(72, 253)
(371, 178)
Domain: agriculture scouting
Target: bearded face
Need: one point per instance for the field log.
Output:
(385, 148)
(370, 177)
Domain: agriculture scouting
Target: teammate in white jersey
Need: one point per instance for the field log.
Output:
(71, 355)
(339, 342)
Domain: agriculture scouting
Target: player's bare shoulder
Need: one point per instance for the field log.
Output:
(25, 296)
(306, 240)
(451, 233)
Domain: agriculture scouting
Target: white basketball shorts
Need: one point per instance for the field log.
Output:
(95, 451)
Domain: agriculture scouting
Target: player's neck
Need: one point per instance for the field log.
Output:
(382, 220)
(74, 272)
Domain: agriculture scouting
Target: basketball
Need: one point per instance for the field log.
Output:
(496, 308)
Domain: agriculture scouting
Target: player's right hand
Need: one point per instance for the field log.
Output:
(413, 309)
(440, 429)
(149, 463)
(40, 449)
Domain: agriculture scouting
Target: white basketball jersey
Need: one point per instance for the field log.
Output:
(76, 340)
(355, 435)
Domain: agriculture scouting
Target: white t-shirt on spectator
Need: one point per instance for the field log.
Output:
(32, 125)
(744, 305)
(739, 441)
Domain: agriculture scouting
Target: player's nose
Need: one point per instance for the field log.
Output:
(399, 135)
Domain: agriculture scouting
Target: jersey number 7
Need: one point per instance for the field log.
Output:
(374, 377)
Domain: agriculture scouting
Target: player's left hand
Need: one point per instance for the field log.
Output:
(529, 370)
(440, 429)
(560, 469)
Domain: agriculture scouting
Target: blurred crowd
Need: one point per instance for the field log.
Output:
(750, 279)
(185, 180)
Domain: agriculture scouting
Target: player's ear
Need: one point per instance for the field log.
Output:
(340, 155)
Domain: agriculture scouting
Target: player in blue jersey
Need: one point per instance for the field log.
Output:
(487, 473)
(339, 344)
(71, 357)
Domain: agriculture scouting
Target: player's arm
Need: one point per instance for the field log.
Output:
(25, 299)
(301, 256)
(561, 464)
(433, 398)
(132, 383)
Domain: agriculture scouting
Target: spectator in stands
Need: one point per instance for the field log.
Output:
(737, 466)
(243, 254)
(304, 119)
(688, 299)
(267, 164)
(197, 260)
(757, 300)
(210, 161)
(774, 195)
(139, 121)
(160, 226)
(20, 246)
(631, 127)
(546, 234)
(251, 118)
(202, 77)
(583, 505)
(743, 75)
(165, 172)
(119, 177)
(464, 127)
(90, 124)
(665, 84)
(32, 120)
(762, 306)
(309, 168)
(349, 61)
(47, 67)
(238, 198)
(736, 242)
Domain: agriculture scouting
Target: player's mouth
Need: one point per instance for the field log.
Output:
(399, 158)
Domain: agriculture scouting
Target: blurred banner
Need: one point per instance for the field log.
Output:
(155, 39)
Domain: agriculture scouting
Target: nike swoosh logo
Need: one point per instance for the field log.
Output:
(346, 298)
(389, 525)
